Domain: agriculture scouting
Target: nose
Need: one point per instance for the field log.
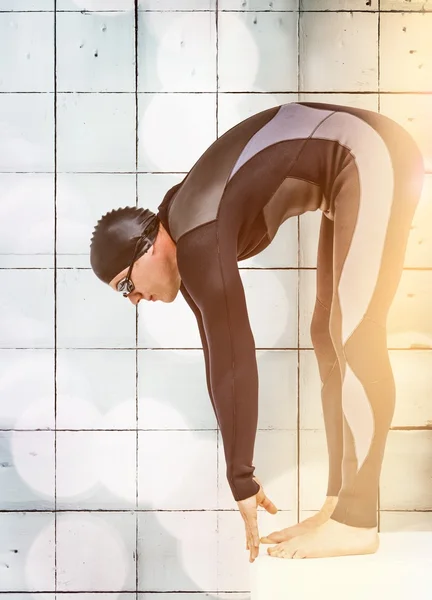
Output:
(134, 299)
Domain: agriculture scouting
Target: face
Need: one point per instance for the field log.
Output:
(155, 274)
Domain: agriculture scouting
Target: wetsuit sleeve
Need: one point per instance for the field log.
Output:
(200, 323)
(208, 267)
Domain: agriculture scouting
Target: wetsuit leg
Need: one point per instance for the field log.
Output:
(364, 286)
(328, 365)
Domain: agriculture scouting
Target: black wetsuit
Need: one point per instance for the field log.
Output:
(365, 173)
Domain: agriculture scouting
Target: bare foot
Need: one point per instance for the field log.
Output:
(304, 526)
(330, 539)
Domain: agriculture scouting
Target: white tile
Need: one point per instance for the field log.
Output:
(96, 389)
(98, 595)
(281, 253)
(310, 224)
(275, 462)
(178, 551)
(27, 39)
(405, 521)
(28, 5)
(95, 53)
(27, 547)
(167, 325)
(173, 5)
(234, 108)
(180, 401)
(245, 5)
(27, 389)
(186, 596)
(27, 470)
(26, 217)
(339, 5)
(407, 471)
(419, 251)
(152, 188)
(27, 310)
(96, 132)
(96, 470)
(233, 557)
(313, 472)
(82, 199)
(406, 5)
(409, 319)
(277, 374)
(412, 112)
(249, 45)
(27, 261)
(26, 132)
(231, 596)
(177, 52)
(90, 314)
(177, 470)
(105, 544)
(111, 8)
(367, 101)
(166, 121)
(405, 52)
(307, 295)
(311, 414)
(412, 369)
(334, 39)
(271, 299)
(409, 322)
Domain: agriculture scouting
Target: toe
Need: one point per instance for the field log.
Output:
(299, 553)
(272, 538)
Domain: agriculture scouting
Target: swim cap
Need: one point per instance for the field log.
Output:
(115, 237)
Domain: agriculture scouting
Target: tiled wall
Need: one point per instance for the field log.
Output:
(112, 476)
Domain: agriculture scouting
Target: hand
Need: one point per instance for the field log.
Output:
(248, 510)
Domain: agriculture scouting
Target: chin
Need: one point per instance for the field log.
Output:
(169, 297)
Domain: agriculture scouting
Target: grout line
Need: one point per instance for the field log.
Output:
(217, 67)
(136, 18)
(129, 511)
(275, 12)
(218, 441)
(112, 592)
(194, 430)
(148, 349)
(226, 92)
(55, 295)
(379, 110)
(166, 510)
(298, 52)
(379, 56)
(298, 372)
(244, 269)
(298, 283)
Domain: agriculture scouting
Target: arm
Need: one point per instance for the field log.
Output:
(209, 272)
(198, 317)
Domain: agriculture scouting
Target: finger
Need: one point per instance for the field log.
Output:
(254, 536)
(268, 505)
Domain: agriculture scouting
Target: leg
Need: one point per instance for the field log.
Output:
(331, 387)
(371, 234)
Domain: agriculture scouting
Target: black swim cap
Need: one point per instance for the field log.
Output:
(115, 237)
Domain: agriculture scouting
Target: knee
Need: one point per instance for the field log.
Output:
(366, 351)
